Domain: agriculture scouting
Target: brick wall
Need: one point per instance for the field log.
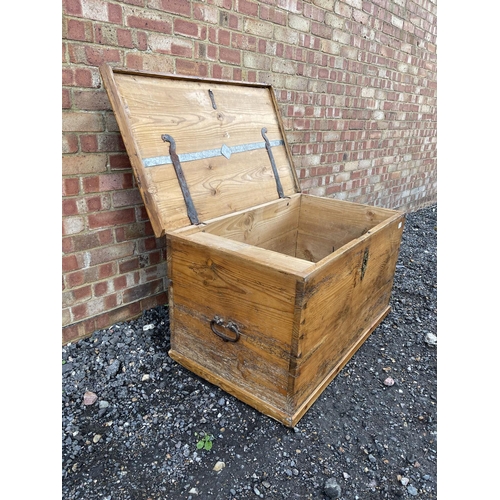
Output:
(356, 85)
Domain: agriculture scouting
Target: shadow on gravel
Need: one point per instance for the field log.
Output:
(134, 422)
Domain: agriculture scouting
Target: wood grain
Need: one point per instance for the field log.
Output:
(300, 321)
(209, 281)
(341, 298)
(148, 106)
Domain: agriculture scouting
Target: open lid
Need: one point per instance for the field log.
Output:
(200, 148)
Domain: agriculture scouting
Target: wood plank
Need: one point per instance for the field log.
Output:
(314, 247)
(340, 221)
(259, 299)
(255, 255)
(305, 401)
(341, 299)
(260, 225)
(219, 187)
(234, 387)
(245, 362)
(245, 290)
(282, 243)
(148, 106)
(144, 181)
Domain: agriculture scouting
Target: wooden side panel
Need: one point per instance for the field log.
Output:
(326, 225)
(260, 299)
(284, 243)
(152, 105)
(343, 299)
(273, 226)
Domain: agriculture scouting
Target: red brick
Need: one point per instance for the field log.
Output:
(87, 241)
(75, 279)
(93, 143)
(188, 28)
(116, 217)
(97, 56)
(76, 30)
(66, 99)
(116, 315)
(67, 245)
(230, 56)
(84, 292)
(154, 301)
(79, 312)
(69, 263)
(212, 52)
(83, 78)
(191, 68)
(119, 162)
(156, 257)
(69, 207)
(149, 24)
(115, 12)
(124, 38)
(141, 40)
(135, 61)
(106, 270)
(224, 38)
(111, 253)
(142, 214)
(109, 182)
(179, 49)
(77, 331)
(100, 288)
(69, 143)
(91, 100)
(130, 232)
(70, 186)
(237, 74)
(321, 30)
(249, 8)
(142, 291)
(120, 283)
(182, 7)
(111, 301)
(89, 143)
(149, 244)
(127, 197)
(94, 204)
(129, 265)
(72, 7)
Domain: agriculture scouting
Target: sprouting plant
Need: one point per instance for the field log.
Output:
(205, 441)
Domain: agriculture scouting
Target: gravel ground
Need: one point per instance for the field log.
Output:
(136, 425)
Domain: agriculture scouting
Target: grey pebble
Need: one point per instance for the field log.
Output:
(412, 490)
(113, 368)
(332, 488)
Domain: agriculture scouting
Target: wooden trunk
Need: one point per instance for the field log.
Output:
(271, 290)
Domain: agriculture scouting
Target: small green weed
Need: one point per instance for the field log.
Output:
(205, 441)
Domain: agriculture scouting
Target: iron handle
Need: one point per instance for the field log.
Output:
(229, 326)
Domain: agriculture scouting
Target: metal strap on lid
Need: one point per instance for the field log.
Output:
(191, 211)
(225, 151)
(273, 164)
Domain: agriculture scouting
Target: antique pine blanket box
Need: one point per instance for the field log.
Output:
(271, 291)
